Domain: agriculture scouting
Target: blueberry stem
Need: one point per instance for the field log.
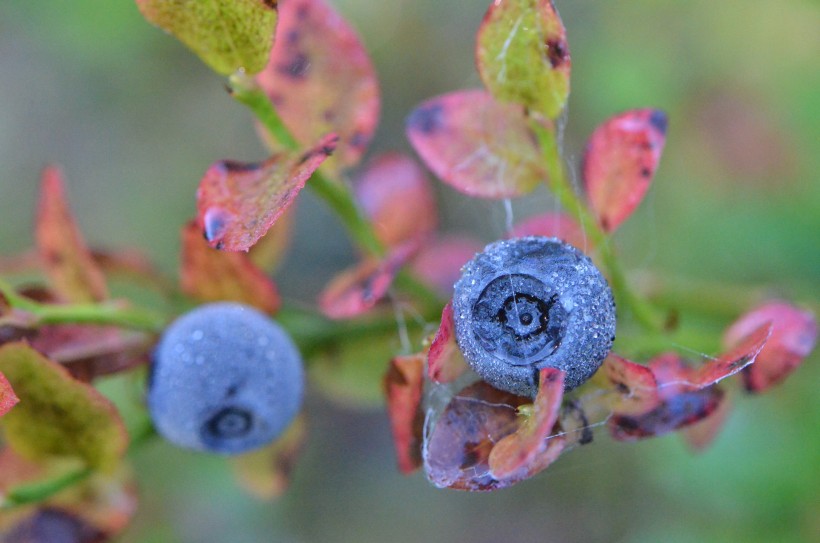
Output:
(31, 313)
(337, 195)
(558, 183)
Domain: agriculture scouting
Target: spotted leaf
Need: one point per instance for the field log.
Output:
(237, 203)
(320, 79)
(620, 161)
(477, 145)
(523, 55)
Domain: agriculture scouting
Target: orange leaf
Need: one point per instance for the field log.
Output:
(68, 263)
(403, 386)
(444, 360)
(209, 275)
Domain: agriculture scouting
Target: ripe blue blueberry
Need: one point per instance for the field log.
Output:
(529, 303)
(225, 379)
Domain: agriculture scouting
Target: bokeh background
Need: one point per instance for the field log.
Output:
(135, 120)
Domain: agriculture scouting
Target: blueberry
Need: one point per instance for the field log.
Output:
(529, 303)
(225, 379)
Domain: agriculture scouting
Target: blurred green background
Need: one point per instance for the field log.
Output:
(135, 120)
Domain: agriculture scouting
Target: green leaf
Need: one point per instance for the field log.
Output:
(226, 34)
(56, 414)
(523, 56)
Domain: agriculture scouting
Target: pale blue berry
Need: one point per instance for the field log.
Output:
(225, 379)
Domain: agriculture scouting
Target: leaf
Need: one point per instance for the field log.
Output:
(237, 203)
(523, 55)
(445, 362)
(701, 434)
(619, 162)
(397, 197)
(554, 225)
(66, 258)
(320, 79)
(227, 35)
(357, 290)
(58, 415)
(268, 252)
(793, 337)
(266, 472)
(209, 275)
(89, 351)
(403, 385)
(636, 387)
(438, 263)
(8, 398)
(480, 147)
(532, 447)
(735, 360)
(459, 441)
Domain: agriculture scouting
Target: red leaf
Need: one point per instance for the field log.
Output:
(7, 397)
(619, 162)
(358, 290)
(554, 225)
(444, 360)
(458, 444)
(209, 275)
(480, 147)
(397, 197)
(403, 385)
(531, 448)
(320, 79)
(439, 262)
(65, 255)
(269, 251)
(794, 336)
(635, 384)
(738, 358)
(237, 203)
(702, 433)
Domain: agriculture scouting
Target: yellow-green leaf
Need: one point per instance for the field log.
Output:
(523, 56)
(226, 34)
(58, 416)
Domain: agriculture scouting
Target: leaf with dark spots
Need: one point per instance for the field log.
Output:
(321, 79)
(266, 473)
(397, 197)
(438, 263)
(445, 362)
(403, 385)
(238, 203)
(523, 56)
(793, 337)
(58, 415)
(676, 411)
(209, 275)
(65, 256)
(554, 225)
(358, 290)
(89, 351)
(534, 445)
(620, 161)
(458, 443)
(227, 36)
(635, 385)
(7, 397)
(477, 145)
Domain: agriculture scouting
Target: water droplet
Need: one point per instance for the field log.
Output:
(215, 221)
(197, 335)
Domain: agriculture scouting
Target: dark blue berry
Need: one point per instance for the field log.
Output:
(529, 303)
(225, 379)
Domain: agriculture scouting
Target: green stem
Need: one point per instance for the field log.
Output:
(336, 195)
(107, 313)
(42, 490)
(560, 186)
